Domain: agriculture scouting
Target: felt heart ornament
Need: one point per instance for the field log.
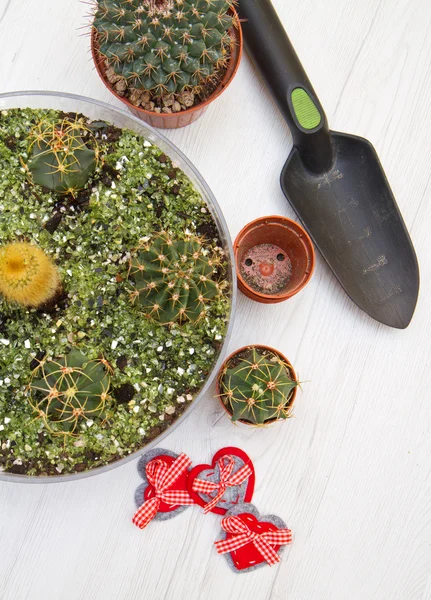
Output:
(164, 491)
(251, 541)
(229, 480)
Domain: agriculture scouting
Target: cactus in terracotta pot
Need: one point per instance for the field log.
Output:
(163, 47)
(257, 386)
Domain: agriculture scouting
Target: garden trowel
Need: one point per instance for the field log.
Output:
(335, 183)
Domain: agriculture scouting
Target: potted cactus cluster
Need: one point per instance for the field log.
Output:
(114, 294)
(167, 60)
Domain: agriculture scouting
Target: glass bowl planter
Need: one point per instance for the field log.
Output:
(100, 111)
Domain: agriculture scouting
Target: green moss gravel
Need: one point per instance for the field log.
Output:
(137, 192)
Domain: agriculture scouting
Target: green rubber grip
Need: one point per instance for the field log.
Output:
(306, 111)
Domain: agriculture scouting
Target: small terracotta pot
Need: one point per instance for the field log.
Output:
(243, 349)
(184, 117)
(288, 269)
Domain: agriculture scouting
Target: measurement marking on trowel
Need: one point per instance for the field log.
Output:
(366, 233)
(381, 262)
(328, 180)
(382, 214)
(394, 291)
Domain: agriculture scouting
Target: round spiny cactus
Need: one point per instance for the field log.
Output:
(164, 46)
(259, 388)
(27, 275)
(59, 158)
(174, 278)
(68, 391)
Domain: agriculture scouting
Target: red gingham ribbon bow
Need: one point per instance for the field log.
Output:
(162, 478)
(225, 464)
(264, 542)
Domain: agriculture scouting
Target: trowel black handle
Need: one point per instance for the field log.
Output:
(271, 50)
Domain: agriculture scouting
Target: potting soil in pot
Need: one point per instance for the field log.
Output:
(94, 374)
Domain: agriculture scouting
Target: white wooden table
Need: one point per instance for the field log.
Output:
(350, 474)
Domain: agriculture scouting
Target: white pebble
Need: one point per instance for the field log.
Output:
(27, 343)
(136, 409)
(160, 349)
(181, 399)
(170, 410)
(180, 371)
(90, 423)
(114, 344)
(4, 342)
(191, 350)
(7, 420)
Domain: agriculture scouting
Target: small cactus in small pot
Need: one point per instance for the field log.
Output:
(257, 385)
(166, 59)
(68, 391)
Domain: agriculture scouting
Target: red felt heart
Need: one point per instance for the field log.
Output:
(249, 556)
(180, 484)
(199, 468)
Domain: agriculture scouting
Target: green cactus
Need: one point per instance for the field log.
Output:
(259, 388)
(68, 391)
(59, 158)
(174, 278)
(164, 46)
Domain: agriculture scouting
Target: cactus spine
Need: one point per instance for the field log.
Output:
(259, 388)
(164, 46)
(60, 160)
(68, 391)
(27, 275)
(174, 278)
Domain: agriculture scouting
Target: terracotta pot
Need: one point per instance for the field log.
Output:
(184, 117)
(243, 349)
(285, 266)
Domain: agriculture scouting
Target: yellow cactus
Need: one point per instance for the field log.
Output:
(27, 275)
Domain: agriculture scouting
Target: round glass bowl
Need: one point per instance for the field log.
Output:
(96, 110)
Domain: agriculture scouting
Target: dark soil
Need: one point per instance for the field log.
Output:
(53, 222)
(124, 393)
(58, 303)
(209, 231)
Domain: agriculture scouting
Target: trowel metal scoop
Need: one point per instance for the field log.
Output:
(335, 183)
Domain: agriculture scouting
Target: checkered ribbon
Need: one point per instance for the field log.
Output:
(263, 542)
(225, 466)
(162, 477)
